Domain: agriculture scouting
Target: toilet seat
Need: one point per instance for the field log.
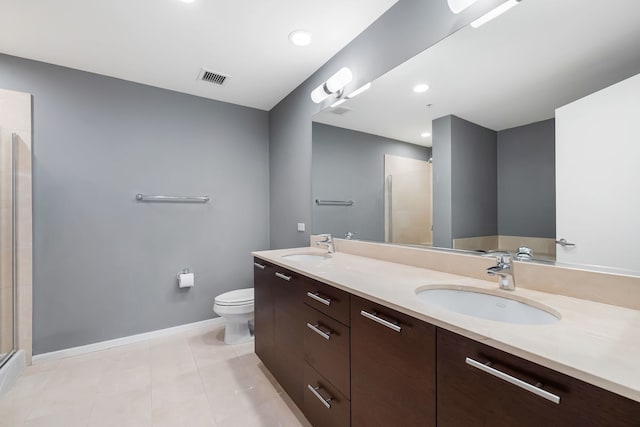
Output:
(235, 298)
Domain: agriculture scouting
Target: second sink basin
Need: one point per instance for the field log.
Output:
(306, 257)
(476, 303)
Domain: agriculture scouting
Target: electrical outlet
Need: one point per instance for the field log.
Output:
(301, 226)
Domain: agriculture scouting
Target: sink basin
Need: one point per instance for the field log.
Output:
(487, 306)
(306, 257)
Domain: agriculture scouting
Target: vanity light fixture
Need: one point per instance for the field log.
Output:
(359, 90)
(425, 134)
(300, 38)
(494, 13)
(420, 88)
(458, 6)
(333, 86)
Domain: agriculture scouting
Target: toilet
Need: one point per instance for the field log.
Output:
(236, 307)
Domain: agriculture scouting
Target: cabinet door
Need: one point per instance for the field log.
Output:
(470, 395)
(392, 368)
(288, 331)
(263, 314)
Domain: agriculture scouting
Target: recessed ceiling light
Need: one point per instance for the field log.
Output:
(421, 88)
(425, 134)
(300, 38)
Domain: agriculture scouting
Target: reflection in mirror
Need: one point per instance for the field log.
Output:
(528, 121)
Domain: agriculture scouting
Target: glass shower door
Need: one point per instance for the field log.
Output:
(7, 244)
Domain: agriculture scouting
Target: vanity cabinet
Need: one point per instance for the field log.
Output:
(279, 326)
(476, 388)
(346, 361)
(393, 367)
(264, 324)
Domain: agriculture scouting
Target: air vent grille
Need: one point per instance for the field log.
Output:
(212, 77)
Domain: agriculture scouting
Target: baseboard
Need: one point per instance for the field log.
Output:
(104, 345)
(11, 370)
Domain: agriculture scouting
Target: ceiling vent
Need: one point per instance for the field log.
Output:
(340, 110)
(212, 77)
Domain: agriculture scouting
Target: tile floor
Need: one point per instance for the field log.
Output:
(189, 379)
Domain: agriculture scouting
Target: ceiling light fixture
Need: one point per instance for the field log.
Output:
(300, 38)
(359, 90)
(458, 6)
(420, 88)
(494, 13)
(425, 134)
(333, 86)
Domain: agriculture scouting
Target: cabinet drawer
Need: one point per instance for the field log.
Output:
(326, 348)
(481, 386)
(324, 405)
(327, 299)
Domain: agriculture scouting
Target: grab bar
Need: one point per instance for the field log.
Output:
(334, 202)
(174, 199)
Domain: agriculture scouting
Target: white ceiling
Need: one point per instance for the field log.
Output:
(164, 43)
(515, 70)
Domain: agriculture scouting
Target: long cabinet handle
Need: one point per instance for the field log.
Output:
(316, 328)
(316, 296)
(260, 266)
(564, 243)
(314, 390)
(381, 321)
(535, 389)
(284, 277)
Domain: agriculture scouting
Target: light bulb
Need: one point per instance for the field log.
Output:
(494, 13)
(359, 90)
(300, 38)
(339, 80)
(319, 94)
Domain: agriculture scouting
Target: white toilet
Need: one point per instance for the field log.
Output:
(237, 309)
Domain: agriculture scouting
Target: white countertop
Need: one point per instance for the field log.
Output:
(597, 343)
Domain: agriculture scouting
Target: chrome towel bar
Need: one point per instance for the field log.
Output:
(174, 199)
(334, 202)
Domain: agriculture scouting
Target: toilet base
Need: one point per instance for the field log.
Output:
(238, 332)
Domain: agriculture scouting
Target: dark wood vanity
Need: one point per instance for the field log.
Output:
(347, 361)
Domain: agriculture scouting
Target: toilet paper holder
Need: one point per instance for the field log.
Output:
(184, 271)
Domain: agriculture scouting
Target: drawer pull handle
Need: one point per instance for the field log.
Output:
(260, 266)
(314, 390)
(383, 322)
(316, 328)
(316, 296)
(283, 277)
(535, 389)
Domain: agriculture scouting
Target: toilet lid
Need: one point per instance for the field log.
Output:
(237, 297)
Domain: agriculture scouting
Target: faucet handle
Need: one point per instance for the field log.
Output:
(350, 235)
(505, 258)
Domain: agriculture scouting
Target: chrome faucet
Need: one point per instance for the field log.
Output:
(350, 235)
(524, 254)
(504, 270)
(326, 241)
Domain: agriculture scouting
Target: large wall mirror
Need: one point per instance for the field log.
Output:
(526, 136)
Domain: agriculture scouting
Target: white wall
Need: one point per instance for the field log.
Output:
(598, 177)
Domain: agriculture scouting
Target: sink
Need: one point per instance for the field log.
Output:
(306, 257)
(476, 303)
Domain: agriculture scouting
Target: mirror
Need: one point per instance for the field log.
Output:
(523, 133)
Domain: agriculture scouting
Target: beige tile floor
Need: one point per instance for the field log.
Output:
(189, 379)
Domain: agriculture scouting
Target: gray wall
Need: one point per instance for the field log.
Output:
(105, 265)
(526, 180)
(349, 165)
(409, 27)
(465, 171)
